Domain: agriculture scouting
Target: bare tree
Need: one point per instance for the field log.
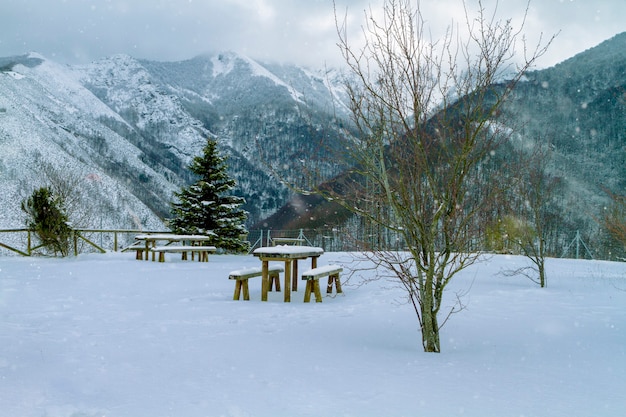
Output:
(68, 185)
(614, 219)
(528, 230)
(427, 113)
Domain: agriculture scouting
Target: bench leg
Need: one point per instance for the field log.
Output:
(246, 292)
(274, 281)
(316, 289)
(161, 256)
(241, 285)
(237, 290)
(312, 285)
(338, 285)
(307, 291)
(139, 255)
(333, 279)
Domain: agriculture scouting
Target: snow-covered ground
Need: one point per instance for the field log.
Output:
(106, 335)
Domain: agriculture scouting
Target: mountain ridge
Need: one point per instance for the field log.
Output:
(158, 115)
(579, 108)
(134, 125)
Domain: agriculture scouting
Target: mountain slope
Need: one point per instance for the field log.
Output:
(261, 116)
(135, 125)
(121, 131)
(49, 129)
(579, 108)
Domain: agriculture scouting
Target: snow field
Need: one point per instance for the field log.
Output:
(106, 335)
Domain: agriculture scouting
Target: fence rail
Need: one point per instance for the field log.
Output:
(21, 241)
(25, 242)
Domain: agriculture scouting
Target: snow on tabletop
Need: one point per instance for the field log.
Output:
(182, 248)
(288, 250)
(107, 335)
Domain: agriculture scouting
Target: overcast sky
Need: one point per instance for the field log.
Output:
(298, 31)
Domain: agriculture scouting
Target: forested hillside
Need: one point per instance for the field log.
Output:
(577, 109)
(135, 126)
(120, 132)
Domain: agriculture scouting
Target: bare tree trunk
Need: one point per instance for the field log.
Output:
(542, 273)
(430, 326)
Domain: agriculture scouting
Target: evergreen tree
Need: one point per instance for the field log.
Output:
(206, 207)
(47, 218)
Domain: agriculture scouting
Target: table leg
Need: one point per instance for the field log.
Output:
(264, 280)
(294, 276)
(313, 262)
(287, 281)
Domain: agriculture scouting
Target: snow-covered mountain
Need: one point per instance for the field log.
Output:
(122, 131)
(51, 129)
(579, 108)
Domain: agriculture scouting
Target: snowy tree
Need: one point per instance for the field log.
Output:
(427, 111)
(47, 218)
(206, 207)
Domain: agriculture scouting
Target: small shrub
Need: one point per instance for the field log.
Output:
(47, 218)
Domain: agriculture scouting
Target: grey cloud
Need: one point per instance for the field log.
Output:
(300, 31)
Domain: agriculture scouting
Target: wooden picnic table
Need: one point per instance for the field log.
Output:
(290, 256)
(150, 241)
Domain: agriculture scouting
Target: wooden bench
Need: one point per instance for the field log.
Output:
(242, 279)
(312, 277)
(139, 249)
(202, 251)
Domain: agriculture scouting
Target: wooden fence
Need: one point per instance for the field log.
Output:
(26, 243)
(23, 241)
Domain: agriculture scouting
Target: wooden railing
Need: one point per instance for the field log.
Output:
(103, 240)
(78, 236)
(28, 249)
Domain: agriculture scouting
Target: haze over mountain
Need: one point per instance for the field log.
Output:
(120, 131)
